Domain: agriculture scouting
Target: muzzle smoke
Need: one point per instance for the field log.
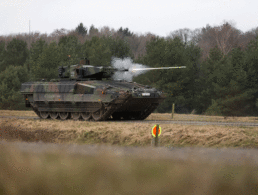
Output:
(127, 63)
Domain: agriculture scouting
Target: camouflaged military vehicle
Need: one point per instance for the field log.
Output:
(82, 93)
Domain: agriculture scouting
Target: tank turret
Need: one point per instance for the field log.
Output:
(87, 72)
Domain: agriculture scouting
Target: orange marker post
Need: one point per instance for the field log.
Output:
(156, 131)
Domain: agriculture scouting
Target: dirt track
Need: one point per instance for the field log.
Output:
(161, 121)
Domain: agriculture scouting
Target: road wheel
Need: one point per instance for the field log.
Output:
(86, 115)
(97, 116)
(54, 115)
(44, 114)
(64, 115)
(76, 115)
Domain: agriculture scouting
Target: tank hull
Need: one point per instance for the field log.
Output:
(91, 100)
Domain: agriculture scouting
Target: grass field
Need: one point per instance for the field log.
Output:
(58, 172)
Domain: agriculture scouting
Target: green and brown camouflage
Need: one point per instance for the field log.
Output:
(87, 72)
(80, 93)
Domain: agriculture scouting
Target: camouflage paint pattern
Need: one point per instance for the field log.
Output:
(84, 91)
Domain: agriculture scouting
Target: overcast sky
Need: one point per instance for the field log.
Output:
(141, 16)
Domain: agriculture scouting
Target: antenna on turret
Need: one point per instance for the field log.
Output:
(29, 47)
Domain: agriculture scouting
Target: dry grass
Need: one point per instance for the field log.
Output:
(58, 172)
(156, 116)
(17, 113)
(126, 134)
(195, 117)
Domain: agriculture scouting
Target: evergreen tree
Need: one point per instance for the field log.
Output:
(37, 48)
(11, 79)
(81, 29)
(209, 71)
(35, 51)
(119, 48)
(93, 31)
(2, 49)
(251, 68)
(229, 95)
(98, 51)
(16, 54)
(2, 53)
(125, 31)
(46, 66)
(69, 46)
(179, 84)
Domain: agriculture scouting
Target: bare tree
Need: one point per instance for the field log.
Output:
(196, 36)
(184, 34)
(106, 31)
(246, 37)
(225, 36)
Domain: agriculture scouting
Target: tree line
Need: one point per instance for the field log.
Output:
(221, 61)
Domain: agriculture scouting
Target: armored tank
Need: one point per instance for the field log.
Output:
(88, 93)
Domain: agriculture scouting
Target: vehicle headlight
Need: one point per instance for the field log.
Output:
(145, 94)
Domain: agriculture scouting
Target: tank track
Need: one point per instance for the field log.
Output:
(111, 109)
(108, 110)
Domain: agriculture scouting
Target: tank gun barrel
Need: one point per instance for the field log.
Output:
(88, 72)
(136, 69)
(115, 69)
(121, 70)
